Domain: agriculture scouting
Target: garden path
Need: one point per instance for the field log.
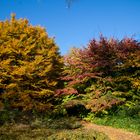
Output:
(113, 133)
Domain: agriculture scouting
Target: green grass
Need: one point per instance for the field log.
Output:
(81, 134)
(49, 129)
(125, 122)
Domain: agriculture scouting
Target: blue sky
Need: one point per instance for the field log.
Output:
(85, 20)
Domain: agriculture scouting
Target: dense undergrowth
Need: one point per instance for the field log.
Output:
(99, 83)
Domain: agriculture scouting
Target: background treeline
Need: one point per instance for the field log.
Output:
(101, 79)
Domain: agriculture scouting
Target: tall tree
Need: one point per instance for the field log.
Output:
(30, 65)
(107, 70)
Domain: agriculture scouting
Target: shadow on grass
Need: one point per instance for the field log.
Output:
(69, 128)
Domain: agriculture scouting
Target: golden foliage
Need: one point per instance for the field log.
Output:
(30, 64)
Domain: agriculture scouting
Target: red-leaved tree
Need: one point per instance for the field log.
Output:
(108, 70)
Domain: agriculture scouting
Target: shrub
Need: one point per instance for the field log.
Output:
(30, 66)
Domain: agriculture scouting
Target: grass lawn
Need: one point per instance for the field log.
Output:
(125, 122)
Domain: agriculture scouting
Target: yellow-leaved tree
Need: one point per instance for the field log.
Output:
(30, 66)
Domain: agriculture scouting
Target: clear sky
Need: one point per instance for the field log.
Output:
(85, 20)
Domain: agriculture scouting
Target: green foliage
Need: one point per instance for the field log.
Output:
(122, 117)
(7, 116)
(68, 98)
(118, 121)
(30, 66)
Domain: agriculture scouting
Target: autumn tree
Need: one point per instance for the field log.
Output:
(106, 73)
(30, 66)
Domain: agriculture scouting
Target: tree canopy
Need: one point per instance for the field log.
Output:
(30, 65)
